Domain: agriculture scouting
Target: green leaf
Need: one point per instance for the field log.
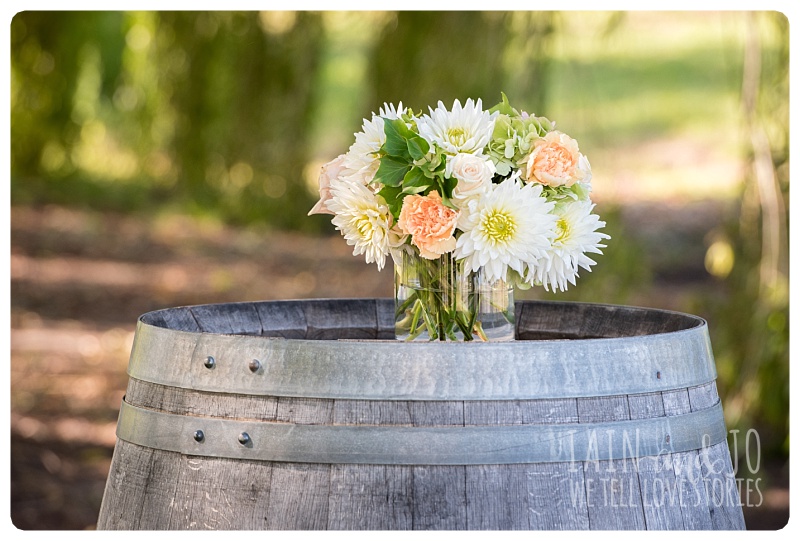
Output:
(448, 185)
(447, 202)
(391, 171)
(418, 147)
(393, 195)
(413, 190)
(435, 166)
(504, 107)
(415, 178)
(397, 134)
(581, 190)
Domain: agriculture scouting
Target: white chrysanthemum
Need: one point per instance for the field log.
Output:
(363, 218)
(506, 227)
(391, 112)
(468, 129)
(575, 235)
(361, 159)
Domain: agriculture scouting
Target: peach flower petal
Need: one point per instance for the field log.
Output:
(430, 224)
(329, 172)
(554, 161)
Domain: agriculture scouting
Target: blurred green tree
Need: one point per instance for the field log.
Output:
(424, 57)
(207, 110)
(751, 254)
(48, 51)
(243, 111)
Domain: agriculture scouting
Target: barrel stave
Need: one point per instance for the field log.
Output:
(584, 494)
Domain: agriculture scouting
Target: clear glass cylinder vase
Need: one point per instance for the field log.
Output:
(440, 300)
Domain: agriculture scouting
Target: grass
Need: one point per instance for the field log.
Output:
(655, 100)
(620, 101)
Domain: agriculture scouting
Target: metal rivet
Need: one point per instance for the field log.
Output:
(199, 436)
(255, 365)
(244, 438)
(658, 375)
(210, 362)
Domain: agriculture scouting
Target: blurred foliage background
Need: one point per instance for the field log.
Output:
(226, 117)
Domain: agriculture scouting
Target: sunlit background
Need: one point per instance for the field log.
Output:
(169, 158)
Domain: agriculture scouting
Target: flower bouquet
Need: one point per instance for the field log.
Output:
(469, 204)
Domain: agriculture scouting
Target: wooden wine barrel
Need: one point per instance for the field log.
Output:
(308, 415)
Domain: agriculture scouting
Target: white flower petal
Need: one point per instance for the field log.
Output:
(364, 220)
(507, 227)
(465, 129)
(575, 235)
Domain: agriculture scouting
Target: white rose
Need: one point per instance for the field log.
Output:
(474, 174)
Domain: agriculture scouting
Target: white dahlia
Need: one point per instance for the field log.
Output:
(575, 235)
(466, 129)
(505, 228)
(361, 159)
(391, 112)
(363, 218)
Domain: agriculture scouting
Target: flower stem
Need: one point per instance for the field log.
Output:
(442, 300)
(415, 318)
(479, 329)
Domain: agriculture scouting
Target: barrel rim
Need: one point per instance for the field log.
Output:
(374, 369)
(698, 321)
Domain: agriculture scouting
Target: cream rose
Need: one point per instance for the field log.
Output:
(430, 224)
(330, 171)
(474, 174)
(555, 161)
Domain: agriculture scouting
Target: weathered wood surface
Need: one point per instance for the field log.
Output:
(363, 364)
(334, 319)
(156, 489)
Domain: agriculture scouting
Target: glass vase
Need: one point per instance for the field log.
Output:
(440, 300)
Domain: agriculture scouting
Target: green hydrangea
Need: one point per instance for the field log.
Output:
(513, 136)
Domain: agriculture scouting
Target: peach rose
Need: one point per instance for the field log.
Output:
(430, 224)
(330, 171)
(555, 161)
